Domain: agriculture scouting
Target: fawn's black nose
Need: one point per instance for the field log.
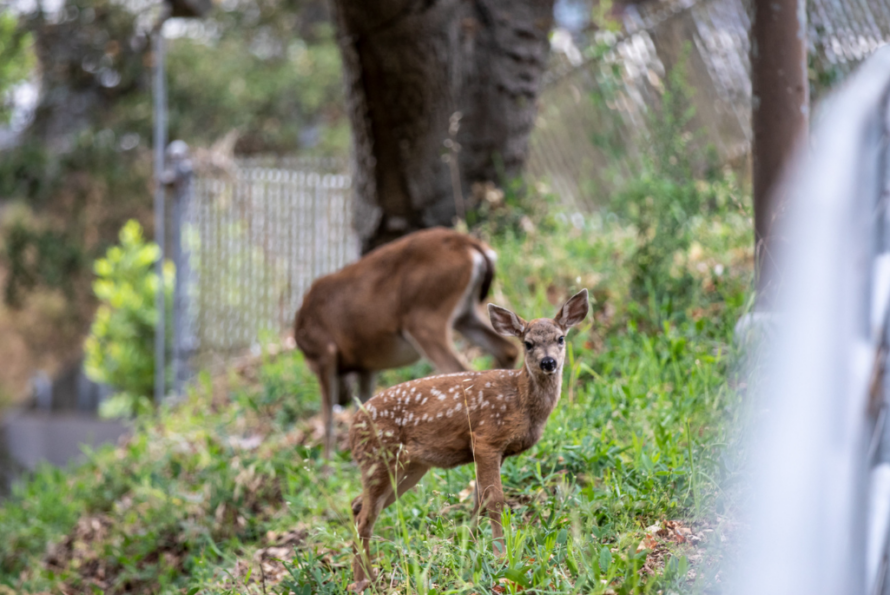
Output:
(548, 364)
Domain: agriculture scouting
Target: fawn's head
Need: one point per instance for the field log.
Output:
(544, 338)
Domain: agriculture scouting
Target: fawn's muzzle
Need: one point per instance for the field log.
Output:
(548, 364)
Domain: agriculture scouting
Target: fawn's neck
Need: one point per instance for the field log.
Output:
(539, 393)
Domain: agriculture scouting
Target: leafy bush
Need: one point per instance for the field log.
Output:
(120, 347)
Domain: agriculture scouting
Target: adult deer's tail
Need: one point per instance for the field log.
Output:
(489, 256)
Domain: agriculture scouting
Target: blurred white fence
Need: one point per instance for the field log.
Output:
(256, 237)
(819, 508)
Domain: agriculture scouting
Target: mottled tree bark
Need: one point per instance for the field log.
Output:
(410, 65)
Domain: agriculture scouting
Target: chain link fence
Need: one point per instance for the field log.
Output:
(596, 114)
(254, 238)
(258, 231)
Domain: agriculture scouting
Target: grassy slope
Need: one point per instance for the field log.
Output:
(225, 492)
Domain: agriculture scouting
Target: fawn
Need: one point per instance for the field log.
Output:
(456, 419)
(398, 303)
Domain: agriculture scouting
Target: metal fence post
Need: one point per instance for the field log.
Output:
(179, 177)
(160, 141)
(779, 118)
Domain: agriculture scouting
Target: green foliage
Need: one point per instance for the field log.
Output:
(823, 76)
(120, 348)
(16, 60)
(288, 390)
(667, 203)
(84, 172)
(210, 485)
(285, 102)
(35, 255)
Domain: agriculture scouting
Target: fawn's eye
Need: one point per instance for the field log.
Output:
(528, 345)
(561, 340)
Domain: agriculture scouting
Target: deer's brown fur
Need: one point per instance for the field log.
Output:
(398, 303)
(456, 419)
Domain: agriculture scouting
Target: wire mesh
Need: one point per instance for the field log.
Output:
(258, 237)
(596, 116)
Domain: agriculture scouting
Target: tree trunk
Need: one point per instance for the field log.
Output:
(413, 68)
(779, 120)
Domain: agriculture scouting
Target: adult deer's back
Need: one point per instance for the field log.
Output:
(398, 303)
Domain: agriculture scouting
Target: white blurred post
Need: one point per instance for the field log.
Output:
(818, 517)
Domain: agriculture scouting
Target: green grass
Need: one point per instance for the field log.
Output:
(226, 493)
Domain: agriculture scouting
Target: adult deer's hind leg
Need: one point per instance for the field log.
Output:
(366, 381)
(344, 390)
(330, 386)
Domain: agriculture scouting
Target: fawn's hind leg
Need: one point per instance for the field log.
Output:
(377, 494)
(376, 487)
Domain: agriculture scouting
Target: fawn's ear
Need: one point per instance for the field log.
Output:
(573, 311)
(505, 322)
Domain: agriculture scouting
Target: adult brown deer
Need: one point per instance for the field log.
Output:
(398, 303)
(455, 419)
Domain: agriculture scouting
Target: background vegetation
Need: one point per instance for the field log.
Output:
(225, 492)
(119, 350)
(82, 166)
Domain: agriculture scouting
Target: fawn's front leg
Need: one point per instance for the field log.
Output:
(490, 493)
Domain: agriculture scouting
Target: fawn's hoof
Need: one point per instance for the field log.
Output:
(359, 586)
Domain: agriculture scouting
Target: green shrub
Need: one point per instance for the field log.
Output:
(120, 347)
(669, 203)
